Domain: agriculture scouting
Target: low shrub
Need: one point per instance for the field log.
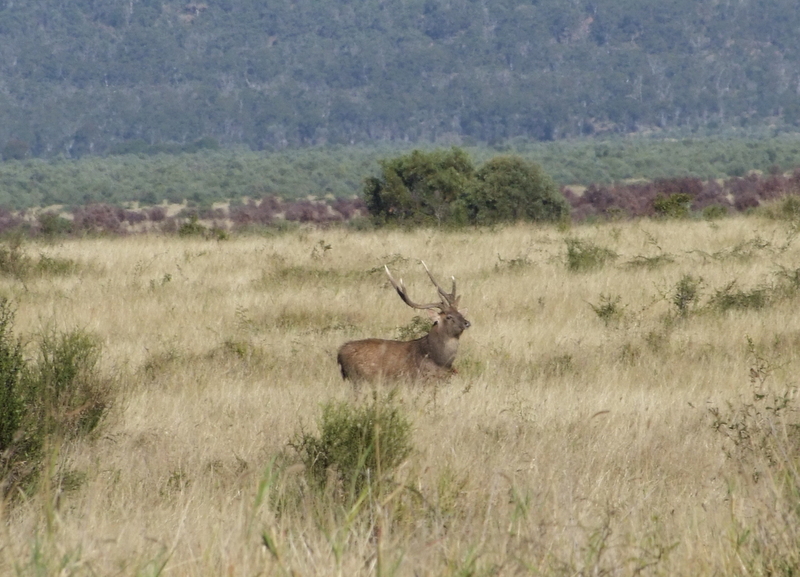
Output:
(583, 255)
(608, 309)
(687, 293)
(715, 212)
(13, 260)
(58, 395)
(650, 262)
(55, 266)
(358, 446)
(673, 206)
(64, 386)
(13, 452)
(760, 437)
(789, 208)
(17, 264)
(192, 227)
(52, 224)
(730, 297)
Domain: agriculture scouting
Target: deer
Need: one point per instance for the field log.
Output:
(426, 358)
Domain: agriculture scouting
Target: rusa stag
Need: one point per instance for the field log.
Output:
(428, 357)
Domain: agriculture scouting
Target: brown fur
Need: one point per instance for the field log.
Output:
(426, 358)
(429, 357)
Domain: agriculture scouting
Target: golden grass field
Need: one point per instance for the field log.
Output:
(575, 440)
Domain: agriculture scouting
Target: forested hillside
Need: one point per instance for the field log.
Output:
(91, 76)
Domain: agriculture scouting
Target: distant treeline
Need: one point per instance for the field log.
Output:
(204, 174)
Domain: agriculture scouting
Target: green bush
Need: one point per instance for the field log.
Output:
(715, 212)
(583, 255)
(12, 400)
(13, 260)
(358, 445)
(730, 297)
(419, 188)
(789, 207)
(58, 396)
(64, 387)
(442, 187)
(15, 263)
(509, 188)
(609, 309)
(687, 293)
(192, 227)
(673, 206)
(52, 224)
(55, 266)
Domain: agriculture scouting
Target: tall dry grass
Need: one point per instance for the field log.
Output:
(571, 442)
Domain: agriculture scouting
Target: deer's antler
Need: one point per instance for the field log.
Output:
(401, 290)
(448, 299)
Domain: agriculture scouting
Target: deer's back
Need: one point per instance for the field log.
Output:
(374, 359)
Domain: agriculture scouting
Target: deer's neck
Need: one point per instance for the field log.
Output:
(439, 347)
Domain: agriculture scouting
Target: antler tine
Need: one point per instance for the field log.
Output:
(401, 290)
(449, 298)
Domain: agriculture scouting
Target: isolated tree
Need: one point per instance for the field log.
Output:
(509, 188)
(419, 188)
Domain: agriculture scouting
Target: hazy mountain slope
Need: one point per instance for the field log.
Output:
(82, 76)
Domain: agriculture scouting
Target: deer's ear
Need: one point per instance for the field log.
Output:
(433, 314)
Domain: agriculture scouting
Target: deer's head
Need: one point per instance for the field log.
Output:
(449, 321)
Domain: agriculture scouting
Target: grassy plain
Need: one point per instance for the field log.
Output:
(576, 439)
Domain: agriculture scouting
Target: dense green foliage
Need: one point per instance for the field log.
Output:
(419, 188)
(88, 77)
(508, 189)
(443, 187)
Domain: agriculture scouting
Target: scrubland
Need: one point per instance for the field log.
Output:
(624, 404)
